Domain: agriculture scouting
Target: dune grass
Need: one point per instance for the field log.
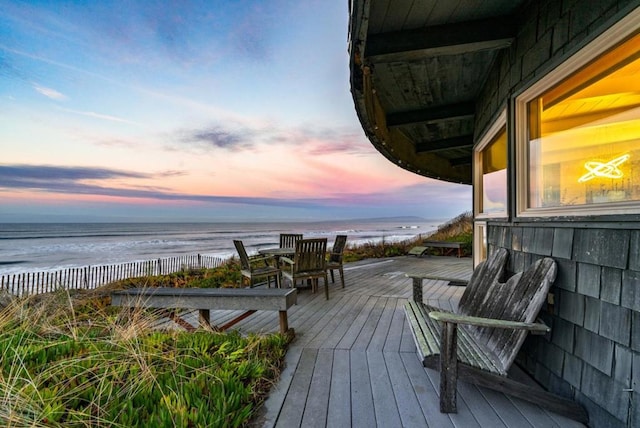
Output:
(458, 229)
(65, 361)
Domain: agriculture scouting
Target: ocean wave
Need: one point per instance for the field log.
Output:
(46, 247)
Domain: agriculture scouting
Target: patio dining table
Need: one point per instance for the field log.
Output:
(277, 252)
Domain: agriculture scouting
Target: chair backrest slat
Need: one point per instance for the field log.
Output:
(288, 240)
(520, 299)
(485, 276)
(338, 249)
(242, 253)
(310, 255)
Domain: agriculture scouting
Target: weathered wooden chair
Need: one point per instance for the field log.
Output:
(288, 240)
(257, 267)
(479, 343)
(308, 263)
(335, 257)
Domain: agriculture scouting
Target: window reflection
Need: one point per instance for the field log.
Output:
(494, 175)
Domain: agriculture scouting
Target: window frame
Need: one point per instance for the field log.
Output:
(487, 138)
(480, 243)
(626, 27)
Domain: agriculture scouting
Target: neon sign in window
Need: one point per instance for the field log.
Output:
(584, 134)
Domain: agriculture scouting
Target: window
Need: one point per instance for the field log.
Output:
(489, 183)
(490, 178)
(580, 151)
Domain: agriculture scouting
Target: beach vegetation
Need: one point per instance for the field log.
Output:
(61, 368)
(458, 229)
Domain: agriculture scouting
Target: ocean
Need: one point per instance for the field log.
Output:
(44, 247)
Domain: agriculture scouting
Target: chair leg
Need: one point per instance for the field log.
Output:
(332, 278)
(342, 276)
(448, 368)
(326, 286)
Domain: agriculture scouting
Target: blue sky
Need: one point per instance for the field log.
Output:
(191, 111)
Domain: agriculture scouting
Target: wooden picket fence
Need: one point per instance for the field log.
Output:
(94, 276)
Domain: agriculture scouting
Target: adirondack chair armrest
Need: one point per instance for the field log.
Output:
(540, 332)
(417, 283)
(447, 317)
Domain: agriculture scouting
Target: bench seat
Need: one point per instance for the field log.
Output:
(445, 247)
(205, 299)
(426, 334)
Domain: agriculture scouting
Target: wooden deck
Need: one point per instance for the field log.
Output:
(354, 362)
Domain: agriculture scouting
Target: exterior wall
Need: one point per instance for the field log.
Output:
(593, 352)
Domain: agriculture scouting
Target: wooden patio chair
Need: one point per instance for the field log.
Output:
(256, 267)
(288, 240)
(480, 341)
(335, 257)
(308, 263)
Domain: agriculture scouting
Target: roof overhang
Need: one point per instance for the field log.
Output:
(417, 69)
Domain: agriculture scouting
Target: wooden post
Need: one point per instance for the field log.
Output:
(448, 368)
(284, 323)
(417, 289)
(204, 318)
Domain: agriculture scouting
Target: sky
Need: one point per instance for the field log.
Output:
(191, 111)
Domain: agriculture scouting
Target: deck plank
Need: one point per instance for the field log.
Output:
(381, 332)
(384, 402)
(337, 317)
(482, 411)
(295, 401)
(366, 333)
(428, 399)
(508, 412)
(408, 406)
(354, 327)
(339, 414)
(315, 411)
(394, 337)
(361, 395)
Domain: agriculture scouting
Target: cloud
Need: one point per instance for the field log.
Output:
(172, 173)
(69, 180)
(49, 93)
(13, 176)
(309, 139)
(220, 138)
(72, 181)
(100, 116)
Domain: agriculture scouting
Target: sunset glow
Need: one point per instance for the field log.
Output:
(196, 111)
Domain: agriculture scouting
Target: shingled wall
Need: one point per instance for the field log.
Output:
(592, 354)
